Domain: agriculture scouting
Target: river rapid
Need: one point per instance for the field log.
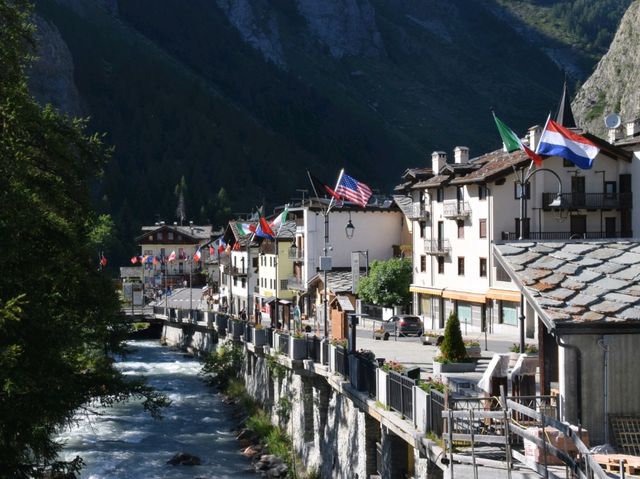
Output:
(125, 442)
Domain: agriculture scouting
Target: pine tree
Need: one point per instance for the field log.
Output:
(452, 348)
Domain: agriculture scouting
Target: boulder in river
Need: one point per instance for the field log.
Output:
(184, 459)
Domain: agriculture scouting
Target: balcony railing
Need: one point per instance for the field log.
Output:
(296, 284)
(456, 209)
(589, 201)
(567, 235)
(437, 247)
(296, 254)
(235, 271)
(418, 212)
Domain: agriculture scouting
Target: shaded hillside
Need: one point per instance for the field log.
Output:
(247, 94)
(615, 84)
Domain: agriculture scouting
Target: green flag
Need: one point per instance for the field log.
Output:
(509, 138)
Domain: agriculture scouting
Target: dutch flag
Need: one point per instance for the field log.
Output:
(556, 140)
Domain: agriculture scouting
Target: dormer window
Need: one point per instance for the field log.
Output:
(170, 235)
(160, 237)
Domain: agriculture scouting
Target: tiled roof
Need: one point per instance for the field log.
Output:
(577, 282)
(493, 165)
(194, 231)
(339, 281)
(432, 182)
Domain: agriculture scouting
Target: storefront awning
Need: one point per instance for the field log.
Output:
(464, 296)
(504, 295)
(426, 290)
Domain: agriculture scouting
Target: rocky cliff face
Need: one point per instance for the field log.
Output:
(258, 26)
(51, 75)
(615, 84)
(345, 27)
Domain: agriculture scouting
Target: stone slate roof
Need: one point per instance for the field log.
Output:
(405, 203)
(577, 283)
(492, 166)
(194, 231)
(339, 281)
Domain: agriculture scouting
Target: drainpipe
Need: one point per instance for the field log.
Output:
(578, 375)
(603, 342)
(489, 262)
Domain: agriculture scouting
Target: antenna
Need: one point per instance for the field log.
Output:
(612, 120)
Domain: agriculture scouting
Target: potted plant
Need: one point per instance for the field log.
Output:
(473, 348)
(259, 335)
(453, 356)
(431, 338)
(514, 352)
(297, 346)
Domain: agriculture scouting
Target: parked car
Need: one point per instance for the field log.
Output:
(401, 325)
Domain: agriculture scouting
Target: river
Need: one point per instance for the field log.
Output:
(125, 442)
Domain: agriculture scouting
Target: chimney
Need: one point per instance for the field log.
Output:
(535, 132)
(632, 127)
(460, 154)
(614, 134)
(438, 160)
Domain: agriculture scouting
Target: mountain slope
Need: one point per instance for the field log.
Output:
(615, 84)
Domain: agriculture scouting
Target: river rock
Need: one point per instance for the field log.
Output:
(184, 459)
(279, 470)
(252, 451)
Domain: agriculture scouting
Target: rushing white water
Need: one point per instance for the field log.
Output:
(125, 442)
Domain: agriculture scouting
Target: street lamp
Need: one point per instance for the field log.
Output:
(523, 182)
(349, 229)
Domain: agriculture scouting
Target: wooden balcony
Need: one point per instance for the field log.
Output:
(589, 201)
(456, 209)
(437, 247)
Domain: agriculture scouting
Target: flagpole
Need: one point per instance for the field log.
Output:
(277, 313)
(333, 197)
(190, 288)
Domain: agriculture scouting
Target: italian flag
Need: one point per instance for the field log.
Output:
(281, 219)
(513, 143)
(245, 228)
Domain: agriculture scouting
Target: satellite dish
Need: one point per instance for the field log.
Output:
(612, 120)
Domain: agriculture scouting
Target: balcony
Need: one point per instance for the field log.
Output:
(567, 235)
(235, 271)
(296, 254)
(437, 247)
(589, 201)
(296, 284)
(456, 209)
(418, 212)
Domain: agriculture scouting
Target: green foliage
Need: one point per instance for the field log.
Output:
(388, 282)
(223, 365)
(278, 370)
(452, 348)
(283, 409)
(59, 315)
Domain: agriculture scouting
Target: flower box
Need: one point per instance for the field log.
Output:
(297, 348)
(259, 337)
(440, 368)
(473, 351)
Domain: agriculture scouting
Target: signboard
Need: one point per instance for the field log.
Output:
(355, 271)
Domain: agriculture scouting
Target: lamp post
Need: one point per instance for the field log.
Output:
(523, 182)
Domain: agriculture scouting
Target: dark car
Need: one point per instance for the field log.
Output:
(401, 325)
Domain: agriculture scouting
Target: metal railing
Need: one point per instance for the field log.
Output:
(400, 393)
(270, 337)
(437, 247)
(283, 343)
(418, 212)
(313, 348)
(235, 271)
(566, 235)
(590, 201)
(366, 375)
(341, 360)
(295, 283)
(456, 209)
(325, 352)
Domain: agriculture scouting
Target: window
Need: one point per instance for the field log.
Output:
(483, 228)
(423, 263)
(517, 188)
(162, 252)
(440, 265)
(440, 195)
(180, 268)
(508, 313)
(169, 235)
(610, 190)
(159, 236)
(501, 274)
(181, 254)
(460, 266)
(483, 267)
(148, 252)
(423, 228)
(460, 193)
(567, 163)
(460, 224)
(482, 192)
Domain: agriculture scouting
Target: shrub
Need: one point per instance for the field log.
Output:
(528, 348)
(452, 348)
(393, 366)
(431, 383)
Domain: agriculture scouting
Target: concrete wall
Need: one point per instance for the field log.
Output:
(190, 337)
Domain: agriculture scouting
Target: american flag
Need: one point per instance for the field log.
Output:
(354, 191)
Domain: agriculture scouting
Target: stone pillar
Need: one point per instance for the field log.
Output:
(395, 455)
